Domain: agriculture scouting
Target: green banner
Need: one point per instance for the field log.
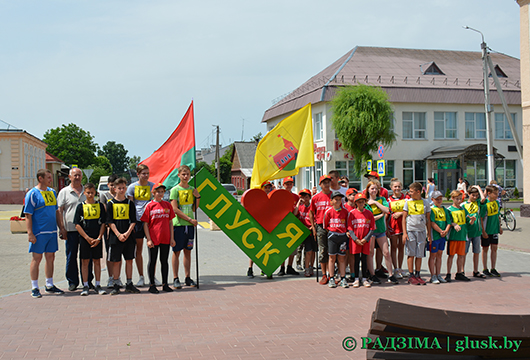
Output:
(267, 250)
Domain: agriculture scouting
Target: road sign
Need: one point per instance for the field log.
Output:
(369, 165)
(88, 172)
(381, 151)
(381, 167)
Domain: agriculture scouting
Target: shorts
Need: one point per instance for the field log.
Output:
(87, 252)
(322, 240)
(46, 243)
(310, 244)
(457, 248)
(337, 244)
(437, 245)
(416, 244)
(127, 249)
(476, 244)
(183, 237)
(492, 239)
(139, 230)
(358, 249)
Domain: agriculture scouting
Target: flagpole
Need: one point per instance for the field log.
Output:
(316, 239)
(196, 211)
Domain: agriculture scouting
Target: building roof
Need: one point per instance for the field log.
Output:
(53, 159)
(246, 151)
(210, 156)
(408, 75)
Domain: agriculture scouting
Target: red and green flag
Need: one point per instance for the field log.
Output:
(179, 149)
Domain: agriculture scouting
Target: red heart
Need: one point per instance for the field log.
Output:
(269, 210)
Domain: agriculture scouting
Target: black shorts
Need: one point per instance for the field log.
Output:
(183, 236)
(126, 249)
(337, 244)
(139, 230)
(310, 244)
(87, 252)
(492, 239)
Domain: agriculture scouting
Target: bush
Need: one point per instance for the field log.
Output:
(448, 194)
(516, 193)
(239, 192)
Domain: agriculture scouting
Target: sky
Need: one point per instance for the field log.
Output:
(127, 70)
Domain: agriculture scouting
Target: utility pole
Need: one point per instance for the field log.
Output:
(217, 157)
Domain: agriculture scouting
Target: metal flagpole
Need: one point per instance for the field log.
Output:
(196, 228)
(314, 224)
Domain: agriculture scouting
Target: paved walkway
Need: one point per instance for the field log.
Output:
(230, 316)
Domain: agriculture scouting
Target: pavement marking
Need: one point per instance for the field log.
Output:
(204, 224)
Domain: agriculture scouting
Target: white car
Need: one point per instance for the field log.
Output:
(231, 189)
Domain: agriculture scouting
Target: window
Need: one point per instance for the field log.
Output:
(444, 125)
(505, 174)
(308, 178)
(413, 171)
(502, 128)
(476, 173)
(319, 127)
(475, 126)
(318, 170)
(414, 125)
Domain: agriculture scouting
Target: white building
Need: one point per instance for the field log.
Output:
(439, 116)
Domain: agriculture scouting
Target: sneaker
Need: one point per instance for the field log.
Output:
(407, 274)
(166, 288)
(85, 291)
(461, 277)
(487, 273)
(399, 274)
(448, 278)
(153, 289)
(331, 283)
(324, 280)
(140, 283)
(356, 283)
(434, 280)
(100, 290)
(420, 280)
(116, 290)
(311, 271)
(54, 290)
(299, 267)
(380, 273)
(291, 271)
(413, 280)
(130, 288)
(344, 283)
(35, 293)
(375, 280)
(250, 273)
(110, 283)
(176, 284)
(393, 280)
(350, 279)
(306, 273)
(281, 272)
(157, 283)
(478, 275)
(366, 283)
(72, 287)
(495, 273)
(190, 282)
(442, 280)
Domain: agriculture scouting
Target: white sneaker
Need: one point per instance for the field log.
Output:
(366, 283)
(398, 273)
(356, 283)
(344, 283)
(140, 282)
(434, 280)
(332, 283)
(440, 277)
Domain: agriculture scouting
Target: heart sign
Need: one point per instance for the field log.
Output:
(269, 210)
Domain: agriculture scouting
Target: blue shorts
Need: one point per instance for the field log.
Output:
(437, 245)
(46, 243)
(183, 237)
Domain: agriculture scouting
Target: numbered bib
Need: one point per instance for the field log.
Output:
(439, 214)
(186, 197)
(375, 209)
(397, 206)
(472, 208)
(493, 208)
(120, 211)
(459, 217)
(142, 192)
(49, 198)
(416, 207)
(91, 211)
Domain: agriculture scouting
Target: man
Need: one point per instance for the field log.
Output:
(68, 199)
(42, 219)
(335, 186)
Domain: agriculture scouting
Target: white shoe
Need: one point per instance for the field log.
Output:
(434, 280)
(157, 283)
(366, 283)
(399, 274)
(356, 283)
(140, 282)
(442, 280)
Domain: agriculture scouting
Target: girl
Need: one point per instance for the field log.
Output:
(395, 226)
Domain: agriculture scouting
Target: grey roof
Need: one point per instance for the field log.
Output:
(210, 157)
(400, 72)
(471, 152)
(246, 150)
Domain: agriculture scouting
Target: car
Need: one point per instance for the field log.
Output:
(103, 184)
(231, 189)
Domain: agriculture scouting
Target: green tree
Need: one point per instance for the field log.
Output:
(71, 144)
(133, 162)
(362, 119)
(117, 155)
(226, 166)
(257, 137)
(101, 167)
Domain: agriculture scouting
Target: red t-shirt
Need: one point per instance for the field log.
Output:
(158, 216)
(348, 207)
(395, 226)
(335, 220)
(303, 214)
(319, 204)
(360, 223)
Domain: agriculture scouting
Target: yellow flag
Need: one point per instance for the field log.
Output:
(285, 149)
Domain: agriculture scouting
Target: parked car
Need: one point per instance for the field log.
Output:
(231, 189)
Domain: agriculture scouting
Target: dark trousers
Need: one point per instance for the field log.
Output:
(151, 265)
(72, 269)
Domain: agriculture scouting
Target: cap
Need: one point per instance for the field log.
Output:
(359, 196)
(351, 191)
(287, 179)
(159, 185)
(436, 194)
(372, 173)
(336, 193)
(324, 177)
(266, 183)
(304, 191)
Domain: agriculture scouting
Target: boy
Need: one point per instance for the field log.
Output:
(89, 220)
(184, 199)
(334, 222)
(309, 244)
(416, 231)
(474, 232)
(140, 193)
(158, 229)
(319, 204)
(491, 230)
(361, 226)
(440, 224)
(104, 198)
(121, 219)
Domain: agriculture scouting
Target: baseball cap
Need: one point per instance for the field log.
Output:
(336, 193)
(287, 179)
(324, 177)
(305, 191)
(266, 183)
(436, 194)
(159, 185)
(372, 173)
(359, 196)
(351, 191)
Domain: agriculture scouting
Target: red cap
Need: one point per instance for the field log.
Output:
(159, 185)
(372, 173)
(304, 191)
(266, 183)
(324, 177)
(351, 191)
(287, 179)
(359, 196)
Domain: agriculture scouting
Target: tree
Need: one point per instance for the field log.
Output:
(101, 167)
(133, 162)
(71, 144)
(226, 166)
(362, 119)
(257, 137)
(117, 155)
